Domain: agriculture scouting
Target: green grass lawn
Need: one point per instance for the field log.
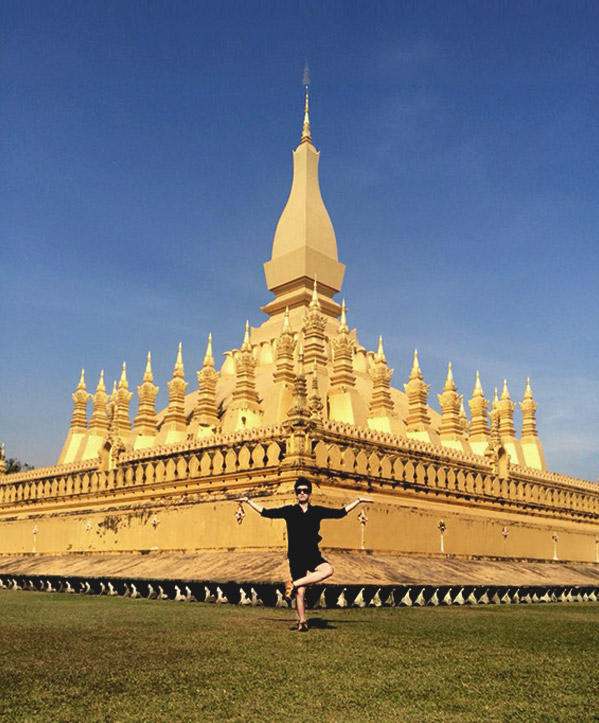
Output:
(82, 658)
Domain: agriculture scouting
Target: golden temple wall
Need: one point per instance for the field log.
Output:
(182, 497)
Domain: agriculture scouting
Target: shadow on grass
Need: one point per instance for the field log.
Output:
(316, 623)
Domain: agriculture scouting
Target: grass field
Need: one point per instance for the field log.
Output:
(82, 658)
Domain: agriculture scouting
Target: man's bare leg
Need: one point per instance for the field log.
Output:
(321, 572)
(300, 604)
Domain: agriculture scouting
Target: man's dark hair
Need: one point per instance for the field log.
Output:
(303, 482)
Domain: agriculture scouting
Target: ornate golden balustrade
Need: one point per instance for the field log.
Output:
(359, 456)
(138, 474)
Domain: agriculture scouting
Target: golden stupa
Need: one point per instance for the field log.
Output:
(300, 395)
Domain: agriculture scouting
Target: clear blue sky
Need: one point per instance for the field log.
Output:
(146, 157)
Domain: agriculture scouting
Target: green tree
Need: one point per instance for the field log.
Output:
(15, 465)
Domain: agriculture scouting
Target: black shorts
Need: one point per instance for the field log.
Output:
(300, 565)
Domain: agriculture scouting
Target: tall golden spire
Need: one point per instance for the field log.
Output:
(380, 352)
(175, 418)
(343, 319)
(313, 330)
(208, 356)
(417, 392)
(381, 404)
(304, 244)
(506, 407)
(206, 411)
(245, 345)
(179, 370)
(343, 376)
(449, 400)
(284, 366)
(306, 133)
(528, 407)
(479, 427)
(245, 395)
(145, 421)
(80, 399)
(98, 423)
(315, 403)
(123, 397)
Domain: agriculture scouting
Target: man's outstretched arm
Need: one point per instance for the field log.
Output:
(271, 512)
(359, 500)
(256, 506)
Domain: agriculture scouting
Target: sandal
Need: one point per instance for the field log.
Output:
(302, 627)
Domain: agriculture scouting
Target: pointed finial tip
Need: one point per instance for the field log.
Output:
(306, 75)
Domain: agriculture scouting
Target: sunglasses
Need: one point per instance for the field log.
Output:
(302, 491)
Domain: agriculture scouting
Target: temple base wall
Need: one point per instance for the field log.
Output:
(390, 525)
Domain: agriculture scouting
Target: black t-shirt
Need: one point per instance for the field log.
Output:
(303, 527)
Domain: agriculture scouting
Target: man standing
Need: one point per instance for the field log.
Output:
(306, 563)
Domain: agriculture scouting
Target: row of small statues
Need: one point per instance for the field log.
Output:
(322, 598)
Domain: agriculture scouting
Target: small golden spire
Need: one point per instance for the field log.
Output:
(478, 389)
(449, 381)
(286, 325)
(528, 407)
(300, 359)
(123, 383)
(495, 399)
(208, 357)
(505, 392)
(148, 376)
(528, 390)
(246, 346)
(380, 352)
(81, 384)
(416, 372)
(101, 386)
(179, 371)
(343, 319)
(306, 133)
(314, 302)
